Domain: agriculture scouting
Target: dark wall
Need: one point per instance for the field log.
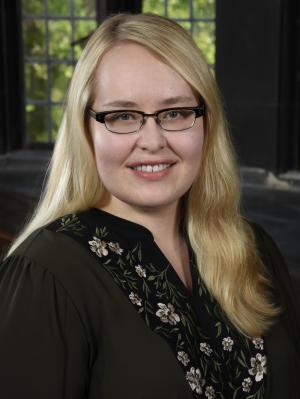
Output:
(11, 77)
(108, 7)
(257, 45)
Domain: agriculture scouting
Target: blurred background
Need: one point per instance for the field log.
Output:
(253, 50)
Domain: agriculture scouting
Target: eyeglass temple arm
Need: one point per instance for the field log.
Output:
(97, 115)
(200, 110)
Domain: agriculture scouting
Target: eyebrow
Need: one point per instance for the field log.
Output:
(165, 102)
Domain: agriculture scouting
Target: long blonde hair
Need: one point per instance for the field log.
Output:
(222, 240)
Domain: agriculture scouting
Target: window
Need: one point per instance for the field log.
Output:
(51, 35)
(197, 16)
(52, 30)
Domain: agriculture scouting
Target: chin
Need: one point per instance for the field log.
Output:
(151, 202)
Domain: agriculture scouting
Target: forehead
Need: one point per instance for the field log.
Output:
(131, 72)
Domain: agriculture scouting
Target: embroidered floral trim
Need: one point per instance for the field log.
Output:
(183, 358)
(246, 384)
(100, 247)
(140, 271)
(258, 364)
(167, 314)
(258, 343)
(210, 392)
(115, 247)
(204, 347)
(227, 344)
(195, 380)
(135, 299)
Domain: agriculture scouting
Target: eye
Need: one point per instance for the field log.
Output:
(122, 116)
(173, 114)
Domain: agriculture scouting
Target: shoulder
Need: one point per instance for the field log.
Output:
(47, 243)
(56, 253)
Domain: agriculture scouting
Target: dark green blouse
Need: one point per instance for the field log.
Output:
(91, 308)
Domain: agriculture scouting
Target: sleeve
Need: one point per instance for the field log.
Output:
(43, 349)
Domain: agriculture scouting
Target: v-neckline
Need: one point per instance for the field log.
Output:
(172, 271)
(133, 228)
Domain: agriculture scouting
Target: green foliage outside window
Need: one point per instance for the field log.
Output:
(49, 63)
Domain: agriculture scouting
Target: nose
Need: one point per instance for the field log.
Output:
(151, 136)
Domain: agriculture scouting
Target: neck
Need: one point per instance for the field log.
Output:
(163, 222)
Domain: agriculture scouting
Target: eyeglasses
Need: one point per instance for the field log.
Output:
(130, 121)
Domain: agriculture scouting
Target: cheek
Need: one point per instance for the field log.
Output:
(195, 145)
(189, 148)
(110, 151)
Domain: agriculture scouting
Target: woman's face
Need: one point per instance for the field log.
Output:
(130, 77)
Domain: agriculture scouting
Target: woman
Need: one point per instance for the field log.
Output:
(137, 276)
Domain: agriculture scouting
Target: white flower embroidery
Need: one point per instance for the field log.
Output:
(167, 314)
(115, 247)
(247, 384)
(98, 246)
(227, 344)
(140, 271)
(204, 347)
(258, 364)
(258, 343)
(183, 358)
(195, 380)
(135, 299)
(210, 392)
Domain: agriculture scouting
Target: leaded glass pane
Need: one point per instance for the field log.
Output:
(36, 81)
(33, 7)
(204, 35)
(56, 117)
(36, 123)
(156, 6)
(60, 39)
(84, 8)
(186, 25)
(82, 30)
(178, 9)
(204, 9)
(59, 7)
(34, 38)
(60, 77)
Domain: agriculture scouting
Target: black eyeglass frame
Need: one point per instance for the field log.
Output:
(100, 116)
